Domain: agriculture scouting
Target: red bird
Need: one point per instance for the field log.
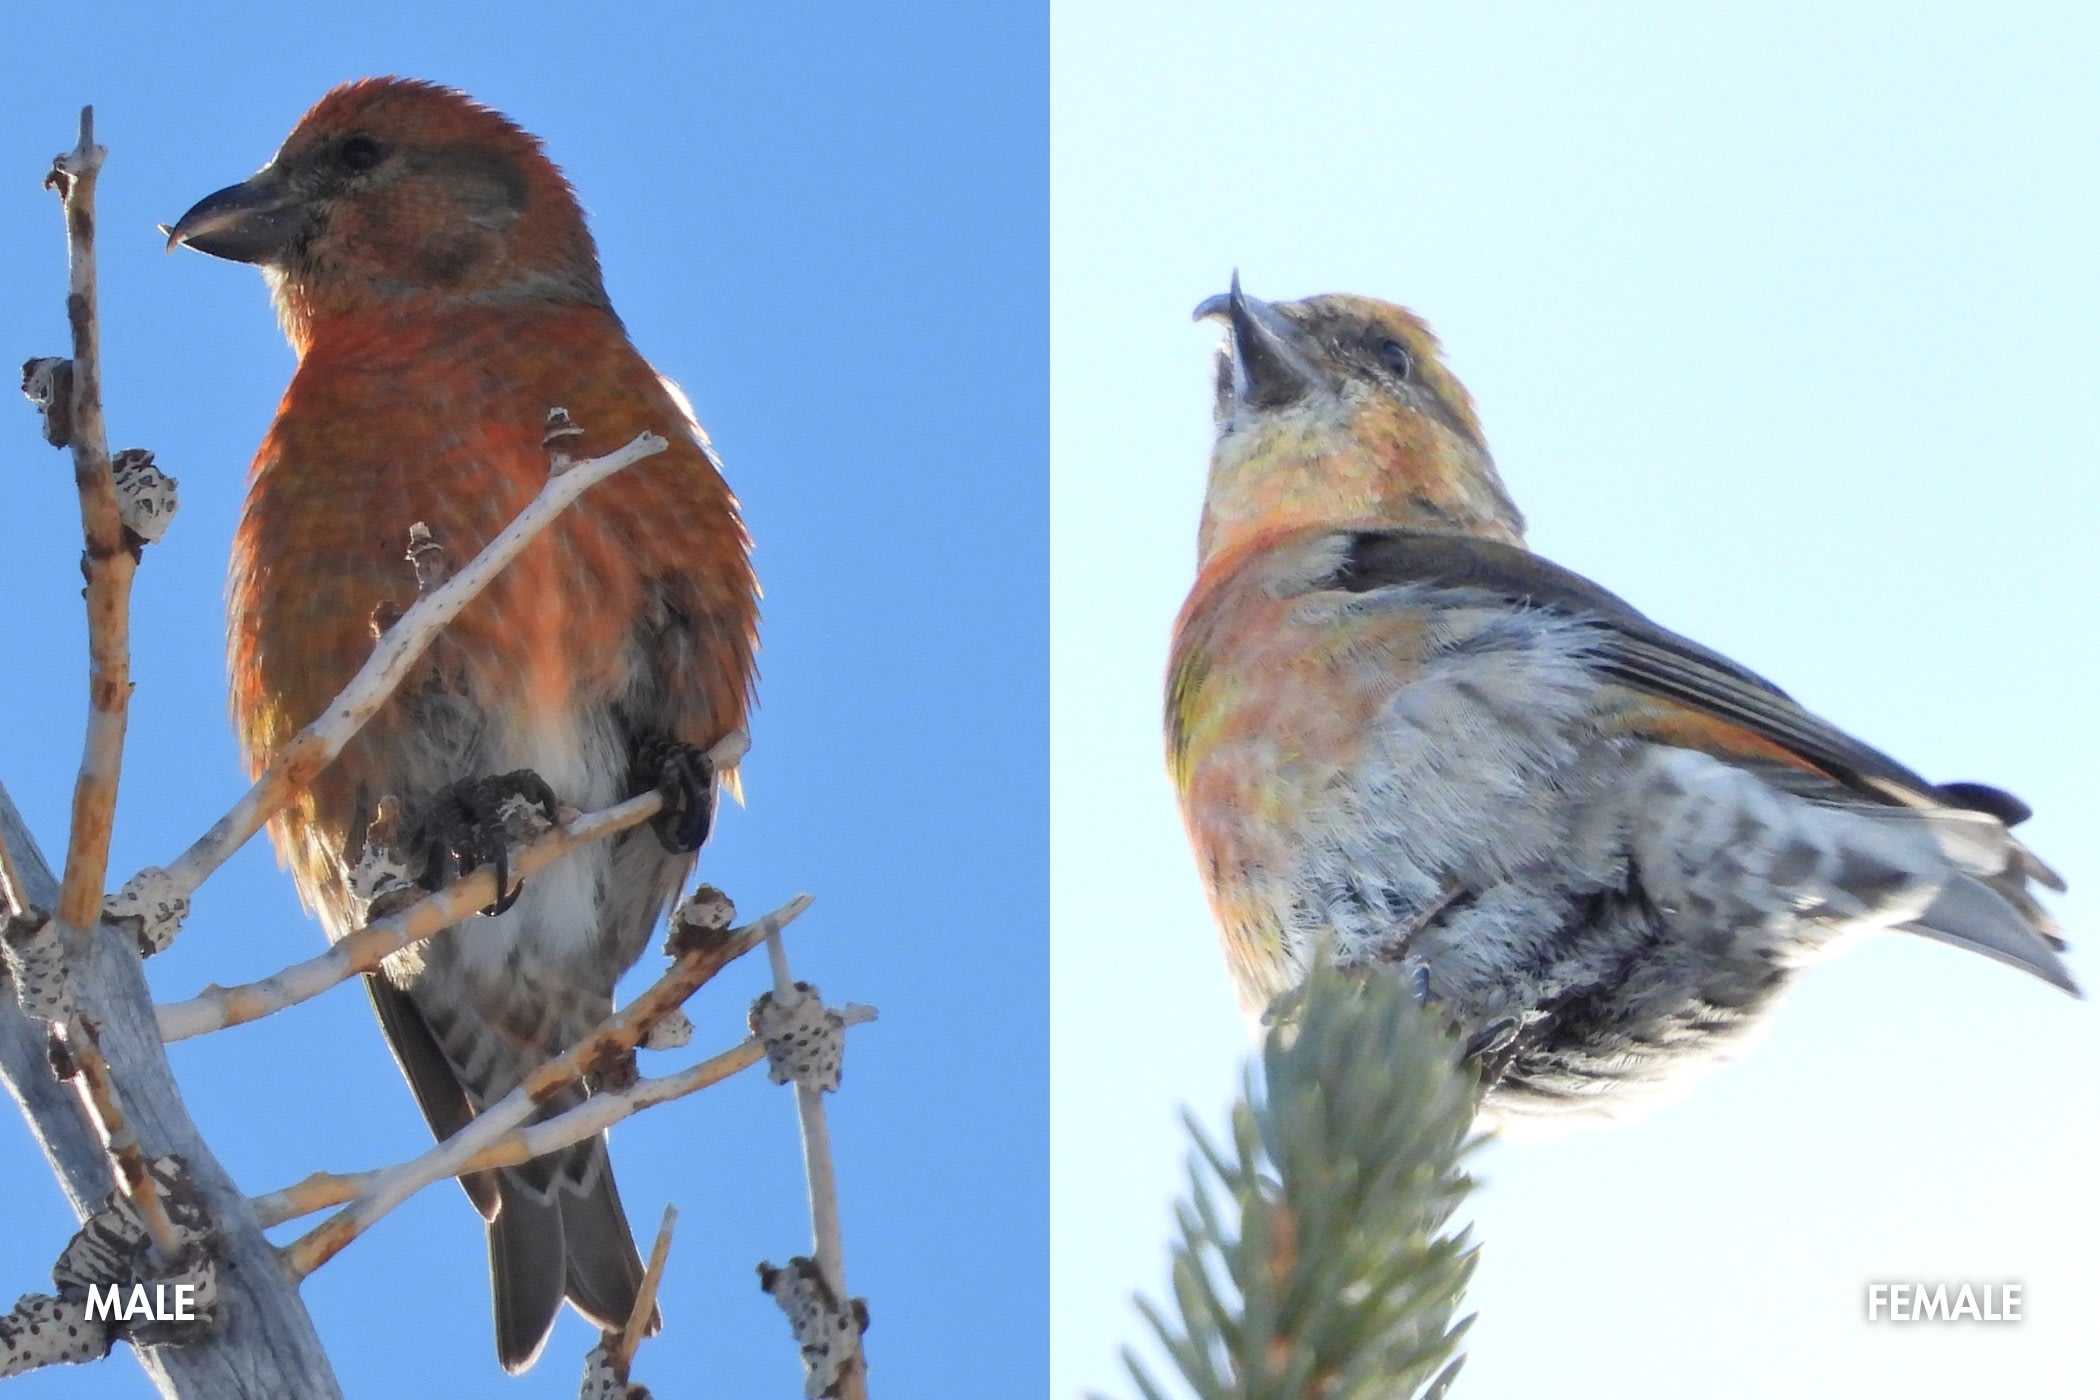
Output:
(434, 273)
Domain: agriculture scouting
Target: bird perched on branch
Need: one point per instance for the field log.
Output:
(1600, 848)
(434, 273)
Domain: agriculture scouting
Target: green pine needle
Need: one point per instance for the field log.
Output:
(1341, 1172)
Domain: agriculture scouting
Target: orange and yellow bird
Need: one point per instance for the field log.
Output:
(1600, 848)
(433, 271)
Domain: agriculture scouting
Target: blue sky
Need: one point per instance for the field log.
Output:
(1781, 324)
(829, 227)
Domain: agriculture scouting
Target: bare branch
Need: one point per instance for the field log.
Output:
(91, 1073)
(110, 566)
(101, 1031)
(816, 1144)
(603, 1048)
(14, 899)
(851, 1382)
(317, 745)
(588, 1119)
(606, 1365)
(265, 1345)
(319, 1191)
(637, 1326)
(216, 1008)
(520, 1145)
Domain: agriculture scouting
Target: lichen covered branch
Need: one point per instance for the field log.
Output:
(804, 1045)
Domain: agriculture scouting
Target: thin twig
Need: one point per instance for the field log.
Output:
(134, 1172)
(317, 745)
(322, 1190)
(216, 1008)
(637, 1325)
(317, 1191)
(14, 904)
(829, 1252)
(615, 1038)
(816, 1145)
(520, 1145)
(110, 567)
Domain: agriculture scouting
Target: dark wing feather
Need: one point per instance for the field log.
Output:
(437, 1089)
(1637, 653)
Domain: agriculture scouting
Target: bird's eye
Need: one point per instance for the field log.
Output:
(360, 153)
(1394, 356)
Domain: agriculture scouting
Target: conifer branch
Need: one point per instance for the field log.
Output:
(1313, 1261)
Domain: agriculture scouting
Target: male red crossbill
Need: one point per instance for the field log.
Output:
(1601, 849)
(433, 271)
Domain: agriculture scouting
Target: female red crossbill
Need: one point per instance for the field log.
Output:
(433, 270)
(1601, 849)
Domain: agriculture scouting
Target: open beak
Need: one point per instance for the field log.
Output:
(1269, 371)
(251, 222)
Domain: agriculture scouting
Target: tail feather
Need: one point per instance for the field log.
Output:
(1967, 913)
(604, 1269)
(526, 1270)
(560, 1232)
(1980, 844)
(1984, 902)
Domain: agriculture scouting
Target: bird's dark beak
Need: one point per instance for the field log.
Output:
(251, 222)
(1269, 369)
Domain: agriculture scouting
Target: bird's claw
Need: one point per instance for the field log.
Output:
(465, 826)
(683, 774)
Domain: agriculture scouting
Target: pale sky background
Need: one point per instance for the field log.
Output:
(829, 224)
(1782, 325)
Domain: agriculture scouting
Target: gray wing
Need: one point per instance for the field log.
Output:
(1984, 903)
(1637, 653)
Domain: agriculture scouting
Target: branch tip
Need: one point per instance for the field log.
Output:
(641, 1317)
